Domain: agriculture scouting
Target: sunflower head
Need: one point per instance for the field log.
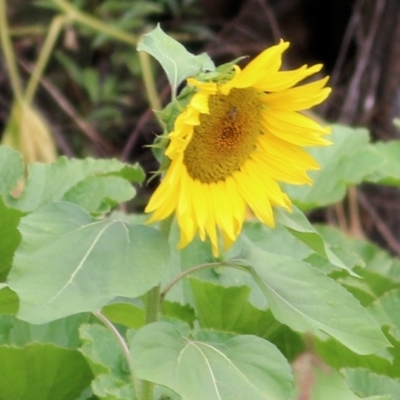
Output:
(236, 135)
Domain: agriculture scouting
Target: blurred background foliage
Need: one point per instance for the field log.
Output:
(78, 80)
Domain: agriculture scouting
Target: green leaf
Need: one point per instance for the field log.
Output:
(299, 226)
(69, 262)
(212, 365)
(105, 357)
(101, 349)
(305, 299)
(11, 169)
(338, 170)
(98, 193)
(381, 272)
(178, 311)
(228, 309)
(42, 372)
(8, 301)
(129, 315)
(63, 332)
(108, 387)
(10, 237)
(276, 240)
(385, 310)
(338, 356)
(386, 157)
(176, 61)
(366, 383)
(75, 180)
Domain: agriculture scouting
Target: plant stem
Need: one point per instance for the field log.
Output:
(9, 53)
(148, 79)
(152, 312)
(153, 305)
(94, 23)
(124, 347)
(55, 28)
(187, 272)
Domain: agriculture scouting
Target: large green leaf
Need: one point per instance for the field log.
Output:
(126, 314)
(228, 309)
(89, 183)
(212, 365)
(386, 311)
(299, 226)
(10, 237)
(176, 61)
(381, 272)
(331, 181)
(69, 262)
(338, 356)
(349, 161)
(105, 357)
(42, 372)
(63, 332)
(306, 300)
(11, 169)
(276, 240)
(8, 301)
(385, 156)
(366, 383)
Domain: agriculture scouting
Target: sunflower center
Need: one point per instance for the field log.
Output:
(225, 137)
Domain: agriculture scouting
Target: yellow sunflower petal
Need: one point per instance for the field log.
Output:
(294, 120)
(185, 213)
(200, 206)
(270, 60)
(255, 196)
(200, 102)
(287, 128)
(210, 226)
(286, 153)
(283, 173)
(223, 209)
(238, 204)
(283, 80)
(205, 87)
(269, 186)
(298, 98)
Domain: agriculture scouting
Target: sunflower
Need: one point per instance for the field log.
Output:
(233, 142)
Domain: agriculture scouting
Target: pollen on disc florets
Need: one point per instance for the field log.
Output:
(225, 137)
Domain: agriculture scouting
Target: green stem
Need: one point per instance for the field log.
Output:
(187, 272)
(153, 305)
(148, 79)
(91, 22)
(152, 312)
(9, 53)
(124, 347)
(55, 28)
